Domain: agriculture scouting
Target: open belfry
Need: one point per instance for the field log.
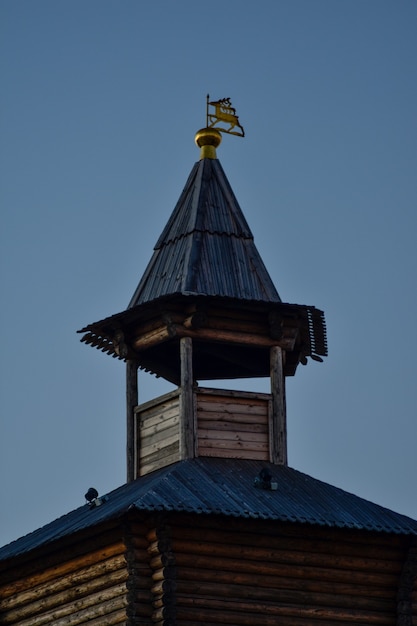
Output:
(212, 526)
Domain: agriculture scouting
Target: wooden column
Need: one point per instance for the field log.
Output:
(278, 417)
(131, 403)
(187, 411)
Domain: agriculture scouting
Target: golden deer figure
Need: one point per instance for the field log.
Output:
(224, 112)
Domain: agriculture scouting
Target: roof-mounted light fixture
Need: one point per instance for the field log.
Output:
(264, 480)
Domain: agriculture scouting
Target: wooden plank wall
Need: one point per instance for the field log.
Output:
(232, 424)
(158, 432)
(246, 574)
(100, 587)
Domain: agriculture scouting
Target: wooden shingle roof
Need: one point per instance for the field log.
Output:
(207, 247)
(206, 260)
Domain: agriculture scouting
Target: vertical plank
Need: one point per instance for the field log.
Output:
(131, 402)
(278, 413)
(187, 412)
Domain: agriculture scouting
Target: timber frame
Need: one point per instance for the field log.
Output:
(175, 569)
(232, 338)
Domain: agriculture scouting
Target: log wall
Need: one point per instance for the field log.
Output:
(101, 587)
(88, 588)
(190, 570)
(249, 574)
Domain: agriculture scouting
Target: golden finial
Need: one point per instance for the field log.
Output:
(209, 138)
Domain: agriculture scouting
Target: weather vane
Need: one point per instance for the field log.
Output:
(223, 113)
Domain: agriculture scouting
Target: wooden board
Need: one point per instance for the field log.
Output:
(233, 425)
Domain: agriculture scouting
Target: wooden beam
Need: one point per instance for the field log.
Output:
(154, 337)
(187, 409)
(278, 414)
(230, 336)
(132, 433)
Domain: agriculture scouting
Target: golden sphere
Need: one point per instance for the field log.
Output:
(208, 137)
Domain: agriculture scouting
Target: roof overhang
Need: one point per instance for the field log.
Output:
(231, 338)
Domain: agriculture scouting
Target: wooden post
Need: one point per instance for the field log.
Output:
(187, 412)
(278, 417)
(131, 403)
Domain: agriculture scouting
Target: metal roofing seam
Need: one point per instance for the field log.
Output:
(207, 486)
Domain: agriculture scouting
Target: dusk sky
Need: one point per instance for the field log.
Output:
(100, 103)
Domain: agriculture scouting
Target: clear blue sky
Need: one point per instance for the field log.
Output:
(100, 102)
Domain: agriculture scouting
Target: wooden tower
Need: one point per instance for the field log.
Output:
(206, 309)
(212, 526)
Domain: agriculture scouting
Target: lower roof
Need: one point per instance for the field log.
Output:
(226, 487)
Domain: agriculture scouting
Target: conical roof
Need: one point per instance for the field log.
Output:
(207, 247)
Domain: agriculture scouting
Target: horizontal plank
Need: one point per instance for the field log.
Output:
(232, 444)
(156, 445)
(232, 408)
(242, 437)
(224, 453)
(157, 426)
(159, 439)
(166, 451)
(166, 398)
(239, 418)
(151, 464)
(232, 393)
(158, 413)
(237, 426)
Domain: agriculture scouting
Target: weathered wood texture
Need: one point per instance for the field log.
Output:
(278, 412)
(407, 589)
(131, 403)
(241, 326)
(158, 433)
(256, 574)
(228, 424)
(186, 570)
(232, 424)
(78, 590)
(187, 401)
(139, 609)
(105, 586)
(162, 561)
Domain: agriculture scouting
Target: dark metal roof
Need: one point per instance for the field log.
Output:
(225, 487)
(207, 247)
